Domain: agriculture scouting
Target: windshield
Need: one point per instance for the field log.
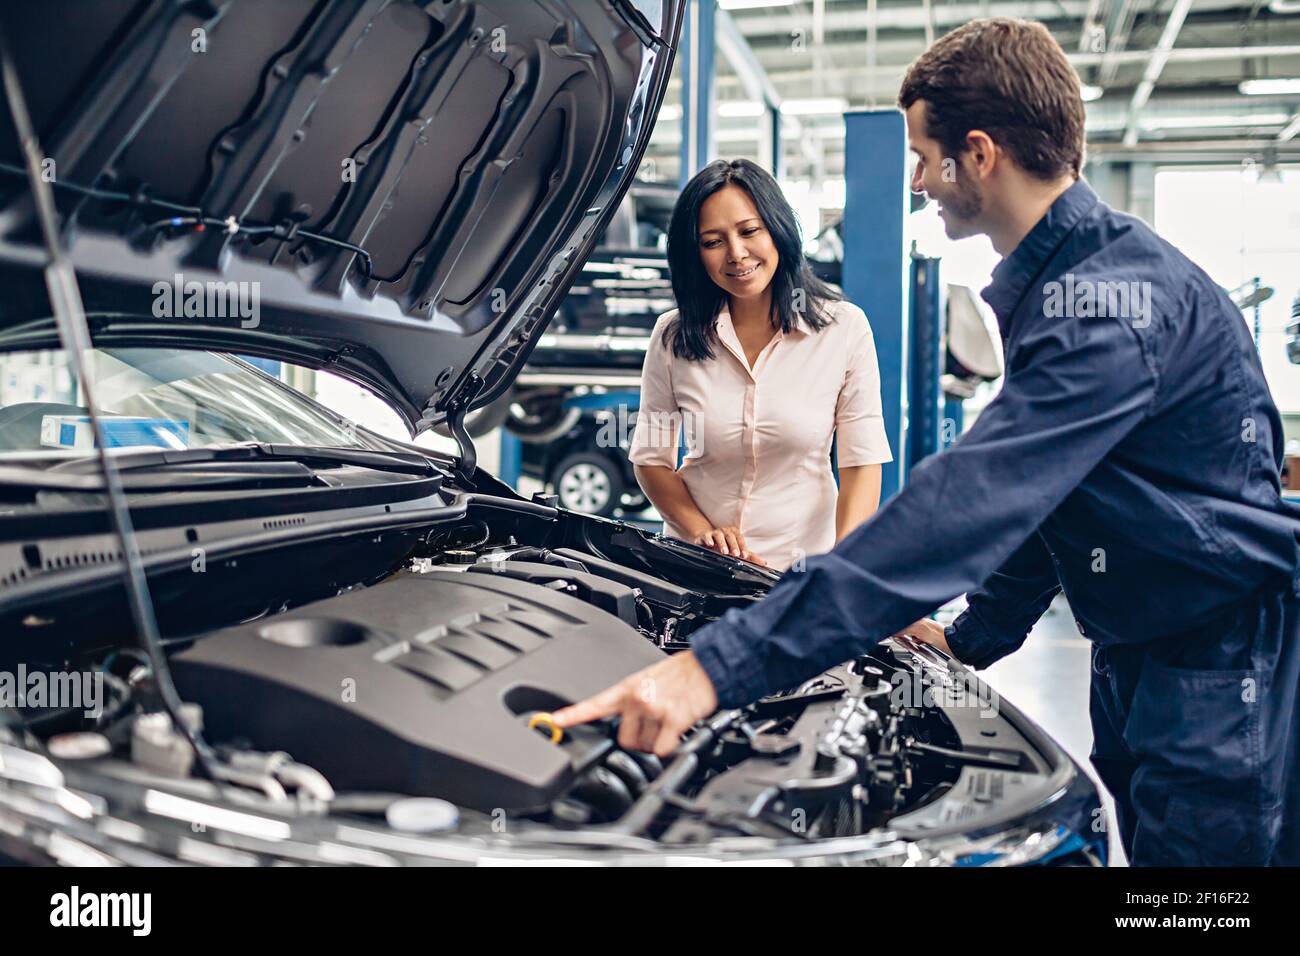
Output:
(156, 398)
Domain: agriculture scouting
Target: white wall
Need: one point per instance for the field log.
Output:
(1236, 227)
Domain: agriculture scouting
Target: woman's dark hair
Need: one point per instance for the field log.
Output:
(796, 292)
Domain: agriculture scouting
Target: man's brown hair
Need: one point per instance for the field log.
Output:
(1009, 78)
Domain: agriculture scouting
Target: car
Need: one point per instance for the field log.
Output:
(239, 629)
(583, 458)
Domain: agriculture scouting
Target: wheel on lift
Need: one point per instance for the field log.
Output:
(588, 483)
(539, 416)
(635, 501)
(483, 420)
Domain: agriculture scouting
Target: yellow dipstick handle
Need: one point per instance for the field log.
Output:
(541, 718)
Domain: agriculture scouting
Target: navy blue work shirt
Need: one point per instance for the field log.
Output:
(1132, 458)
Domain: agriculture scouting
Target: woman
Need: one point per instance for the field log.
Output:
(760, 366)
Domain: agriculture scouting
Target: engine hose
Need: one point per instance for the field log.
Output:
(677, 775)
(602, 789)
(621, 764)
(650, 765)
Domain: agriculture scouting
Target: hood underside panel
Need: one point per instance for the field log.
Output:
(470, 150)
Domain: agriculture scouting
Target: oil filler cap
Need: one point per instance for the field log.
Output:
(545, 724)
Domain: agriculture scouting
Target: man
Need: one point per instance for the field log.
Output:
(1131, 459)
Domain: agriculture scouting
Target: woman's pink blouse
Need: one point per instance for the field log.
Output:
(758, 441)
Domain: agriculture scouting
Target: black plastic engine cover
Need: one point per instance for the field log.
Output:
(417, 685)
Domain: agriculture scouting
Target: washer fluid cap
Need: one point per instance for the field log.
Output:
(422, 815)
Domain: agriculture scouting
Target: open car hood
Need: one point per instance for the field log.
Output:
(473, 150)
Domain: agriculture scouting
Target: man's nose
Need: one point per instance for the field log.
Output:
(917, 185)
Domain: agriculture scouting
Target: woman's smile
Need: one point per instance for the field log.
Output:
(736, 248)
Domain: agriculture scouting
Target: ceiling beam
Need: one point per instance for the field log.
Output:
(751, 73)
(891, 72)
(779, 22)
(1155, 66)
(1090, 41)
(1118, 28)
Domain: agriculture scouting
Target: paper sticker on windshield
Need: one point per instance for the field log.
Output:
(120, 431)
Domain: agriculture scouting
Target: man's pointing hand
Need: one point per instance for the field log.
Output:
(657, 705)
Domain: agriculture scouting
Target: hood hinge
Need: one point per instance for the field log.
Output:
(456, 409)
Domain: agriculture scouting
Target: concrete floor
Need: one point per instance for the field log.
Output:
(1047, 680)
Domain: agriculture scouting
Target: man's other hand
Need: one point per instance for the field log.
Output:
(928, 631)
(657, 705)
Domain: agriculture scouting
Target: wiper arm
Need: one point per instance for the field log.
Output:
(405, 462)
(213, 475)
(252, 465)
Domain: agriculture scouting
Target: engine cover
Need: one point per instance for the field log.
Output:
(420, 684)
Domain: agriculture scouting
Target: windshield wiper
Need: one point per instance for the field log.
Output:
(252, 465)
(196, 476)
(254, 452)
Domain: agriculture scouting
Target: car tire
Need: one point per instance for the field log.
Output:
(588, 483)
(539, 417)
(636, 501)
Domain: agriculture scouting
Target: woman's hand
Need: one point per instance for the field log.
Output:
(929, 631)
(727, 540)
(670, 496)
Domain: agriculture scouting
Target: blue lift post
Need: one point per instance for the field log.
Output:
(511, 467)
(954, 421)
(925, 404)
(696, 52)
(876, 262)
(774, 130)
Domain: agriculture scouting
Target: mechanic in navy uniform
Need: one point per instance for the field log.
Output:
(1131, 459)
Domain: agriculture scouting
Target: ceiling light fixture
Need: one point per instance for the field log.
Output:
(753, 4)
(1271, 87)
(814, 107)
(740, 109)
(1213, 122)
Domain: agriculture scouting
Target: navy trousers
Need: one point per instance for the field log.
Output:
(1196, 736)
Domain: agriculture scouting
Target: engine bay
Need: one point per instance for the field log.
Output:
(432, 681)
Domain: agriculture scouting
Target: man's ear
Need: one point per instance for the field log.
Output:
(983, 152)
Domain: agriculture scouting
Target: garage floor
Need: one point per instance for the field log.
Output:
(1047, 679)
